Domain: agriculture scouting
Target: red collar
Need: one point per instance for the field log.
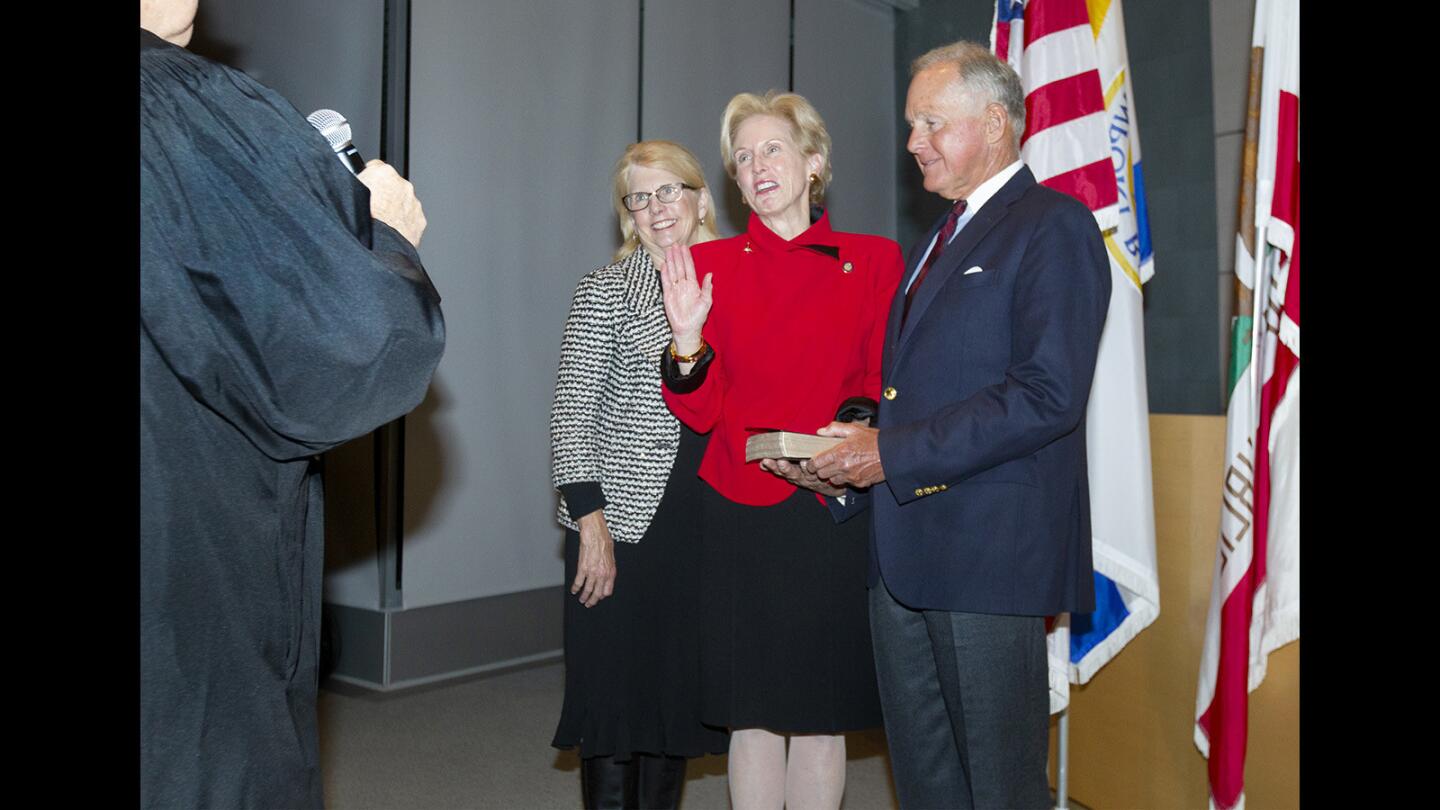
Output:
(817, 237)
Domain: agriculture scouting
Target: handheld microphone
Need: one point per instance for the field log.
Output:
(337, 131)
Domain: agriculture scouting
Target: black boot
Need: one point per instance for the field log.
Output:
(661, 779)
(609, 785)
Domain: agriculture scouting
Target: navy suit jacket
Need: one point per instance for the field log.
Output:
(986, 504)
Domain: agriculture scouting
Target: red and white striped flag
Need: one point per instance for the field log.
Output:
(1051, 44)
(1255, 593)
(1081, 138)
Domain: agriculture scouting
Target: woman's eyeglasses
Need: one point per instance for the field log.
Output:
(668, 193)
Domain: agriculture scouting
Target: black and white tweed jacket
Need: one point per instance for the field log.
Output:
(609, 423)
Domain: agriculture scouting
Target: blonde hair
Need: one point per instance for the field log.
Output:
(805, 123)
(673, 158)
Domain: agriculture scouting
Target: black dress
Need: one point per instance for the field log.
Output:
(785, 623)
(632, 662)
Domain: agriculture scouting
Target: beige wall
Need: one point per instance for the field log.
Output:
(1131, 727)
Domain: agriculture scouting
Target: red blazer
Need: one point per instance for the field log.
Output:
(798, 327)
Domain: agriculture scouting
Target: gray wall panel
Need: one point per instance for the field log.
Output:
(518, 111)
(698, 55)
(1231, 24)
(844, 64)
(929, 24)
(316, 53)
(1170, 63)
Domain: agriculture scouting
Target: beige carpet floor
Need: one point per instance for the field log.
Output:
(484, 742)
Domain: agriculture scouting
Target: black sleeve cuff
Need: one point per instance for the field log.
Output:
(582, 498)
(856, 409)
(684, 383)
(401, 258)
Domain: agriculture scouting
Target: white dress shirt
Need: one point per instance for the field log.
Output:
(973, 203)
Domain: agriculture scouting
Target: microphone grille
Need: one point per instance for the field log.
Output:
(333, 126)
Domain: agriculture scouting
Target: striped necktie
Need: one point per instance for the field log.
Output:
(946, 231)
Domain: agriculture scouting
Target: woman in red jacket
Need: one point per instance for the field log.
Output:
(786, 326)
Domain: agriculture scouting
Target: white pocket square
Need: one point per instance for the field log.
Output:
(976, 269)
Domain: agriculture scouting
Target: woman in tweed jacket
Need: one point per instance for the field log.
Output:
(625, 470)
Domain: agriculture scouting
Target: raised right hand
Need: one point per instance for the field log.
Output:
(687, 303)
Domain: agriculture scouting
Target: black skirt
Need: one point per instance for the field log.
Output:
(785, 623)
(632, 662)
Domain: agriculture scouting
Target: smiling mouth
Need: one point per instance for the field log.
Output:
(662, 224)
(766, 185)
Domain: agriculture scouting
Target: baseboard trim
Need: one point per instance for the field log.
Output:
(392, 649)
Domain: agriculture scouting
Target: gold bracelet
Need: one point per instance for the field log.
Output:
(687, 358)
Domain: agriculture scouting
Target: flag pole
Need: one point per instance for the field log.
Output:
(1259, 300)
(1062, 764)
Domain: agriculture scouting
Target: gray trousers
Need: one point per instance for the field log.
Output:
(966, 701)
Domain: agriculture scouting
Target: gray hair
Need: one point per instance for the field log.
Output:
(982, 74)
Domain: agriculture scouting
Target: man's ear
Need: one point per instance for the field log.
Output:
(996, 122)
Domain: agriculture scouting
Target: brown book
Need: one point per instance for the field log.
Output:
(784, 444)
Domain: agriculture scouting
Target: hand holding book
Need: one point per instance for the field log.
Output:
(844, 452)
(779, 450)
(798, 473)
(855, 462)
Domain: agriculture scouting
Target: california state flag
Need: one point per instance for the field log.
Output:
(1255, 593)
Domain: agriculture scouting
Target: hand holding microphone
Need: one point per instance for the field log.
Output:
(392, 197)
(393, 200)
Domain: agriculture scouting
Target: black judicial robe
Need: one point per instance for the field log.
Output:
(277, 320)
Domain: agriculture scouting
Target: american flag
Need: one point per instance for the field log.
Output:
(1081, 138)
(1051, 44)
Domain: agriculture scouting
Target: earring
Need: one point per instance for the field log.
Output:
(814, 179)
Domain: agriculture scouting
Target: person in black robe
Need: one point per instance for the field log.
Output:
(280, 316)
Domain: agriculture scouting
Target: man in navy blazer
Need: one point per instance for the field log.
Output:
(976, 467)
